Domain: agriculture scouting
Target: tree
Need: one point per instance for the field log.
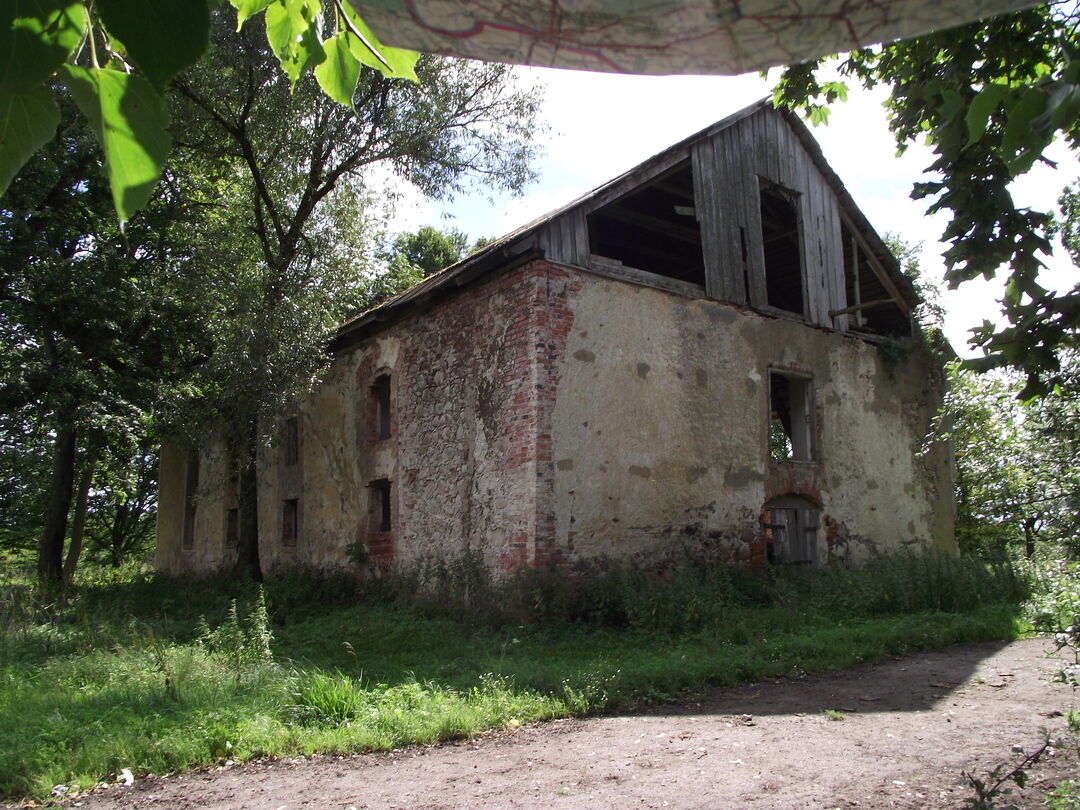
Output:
(1017, 464)
(97, 325)
(989, 98)
(283, 168)
(428, 249)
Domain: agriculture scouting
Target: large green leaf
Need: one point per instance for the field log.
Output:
(245, 9)
(982, 107)
(162, 37)
(365, 46)
(338, 75)
(28, 121)
(292, 29)
(129, 118)
(36, 36)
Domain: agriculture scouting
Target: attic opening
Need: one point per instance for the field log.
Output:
(782, 246)
(871, 308)
(653, 228)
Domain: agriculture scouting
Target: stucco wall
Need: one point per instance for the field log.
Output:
(549, 413)
(660, 431)
(208, 551)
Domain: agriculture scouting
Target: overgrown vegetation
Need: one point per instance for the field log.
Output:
(136, 671)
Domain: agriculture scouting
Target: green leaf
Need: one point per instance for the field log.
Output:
(162, 37)
(129, 118)
(246, 9)
(338, 75)
(292, 29)
(28, 121)
(36, 36)
(1018, 127)
(393, 62)
(981, 108)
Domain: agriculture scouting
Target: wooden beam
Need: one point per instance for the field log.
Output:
(649, 222)
(879, 271)
(861, 306)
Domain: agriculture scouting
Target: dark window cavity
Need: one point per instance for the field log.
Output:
(232, 528)
(291, 441)
(653, 228)
(782, 248)
(791, 416)
(380, 393)
(380, 505)
(290, 521)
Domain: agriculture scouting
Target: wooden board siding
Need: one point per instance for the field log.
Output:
(728, 169)
(729, 166)
(565, 239)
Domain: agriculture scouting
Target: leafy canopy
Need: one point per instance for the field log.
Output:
(989, 98)
(92, 47)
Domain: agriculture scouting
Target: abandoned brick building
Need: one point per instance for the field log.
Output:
(714, 348)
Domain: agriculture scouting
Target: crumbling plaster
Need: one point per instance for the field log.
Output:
(660, 431)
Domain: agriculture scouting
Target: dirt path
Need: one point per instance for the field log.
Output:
(909, 727)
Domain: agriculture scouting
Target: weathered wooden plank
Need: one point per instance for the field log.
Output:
(612, 268)
(751, 206)
(734, 214)
(723, 155)
(836, 262)
(705, 205)
(634, 178)
(816, 300)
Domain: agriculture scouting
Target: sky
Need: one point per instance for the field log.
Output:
(603, 124)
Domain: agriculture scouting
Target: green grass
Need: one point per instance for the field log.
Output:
(122, 673)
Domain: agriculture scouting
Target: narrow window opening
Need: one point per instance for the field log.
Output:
(291, 441)
(232, 528)
(290, 519)
(380, 505)
(191, 487)
(380, 393)
(791, 423)
(791, 528)
(653, 228)
(782, 248)
(232, 504)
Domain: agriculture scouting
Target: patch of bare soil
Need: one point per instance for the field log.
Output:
(909, 727)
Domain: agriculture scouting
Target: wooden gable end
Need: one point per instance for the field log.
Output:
(730, 169)
(741, 213)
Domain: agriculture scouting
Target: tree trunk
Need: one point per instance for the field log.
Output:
(247, 560)
(82, 498)
(50, 563)
(1029, 537)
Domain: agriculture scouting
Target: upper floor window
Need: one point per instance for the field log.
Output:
(380, 394)
(791, 416)
(290, 441)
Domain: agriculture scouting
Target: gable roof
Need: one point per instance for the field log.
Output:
(520, 246)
